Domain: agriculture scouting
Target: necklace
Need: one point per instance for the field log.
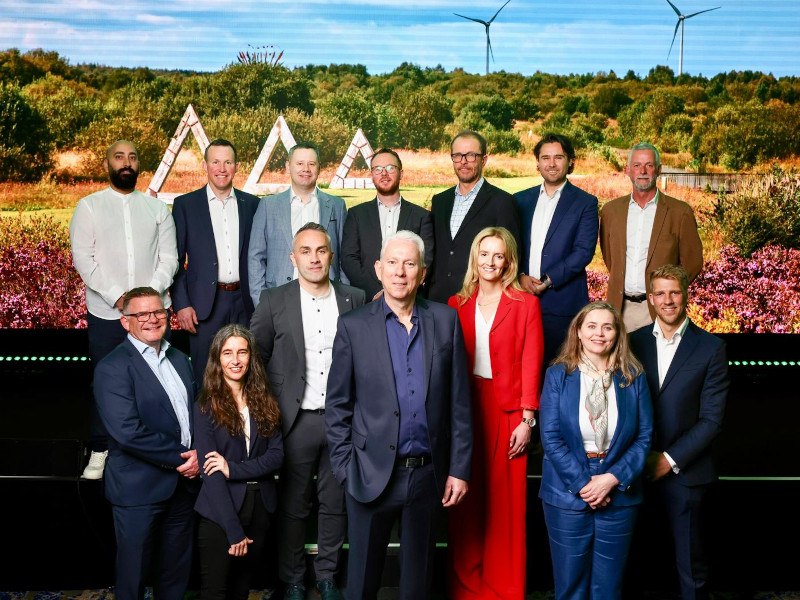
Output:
(490, 302)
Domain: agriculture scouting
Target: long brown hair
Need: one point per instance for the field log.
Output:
(621, 358)
(217, 399)
(471, 277)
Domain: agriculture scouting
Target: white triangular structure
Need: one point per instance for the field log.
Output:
(360, 144)
(189, 122)
(280, 131)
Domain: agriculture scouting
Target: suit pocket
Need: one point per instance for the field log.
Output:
(359, 441)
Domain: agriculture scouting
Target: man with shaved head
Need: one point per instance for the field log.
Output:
(121, 239)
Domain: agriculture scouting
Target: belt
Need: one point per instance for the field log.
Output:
(253, 485)
(229, 287)
(412, 462)
(596, 454)
(636, 298)
(316, 411)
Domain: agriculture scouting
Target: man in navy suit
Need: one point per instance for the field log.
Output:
(559, 235)
(280, 217)
(398, 421)
(144, 391)
(687, 372)
(459, 213)
(213, 230)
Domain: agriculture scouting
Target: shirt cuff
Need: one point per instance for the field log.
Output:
(675, 468)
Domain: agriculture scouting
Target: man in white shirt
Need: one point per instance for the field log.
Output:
(642, 232)
(295, 325)
(121, 239)
(279, 218)
(687, 373)
(559, 236)
(213, 229)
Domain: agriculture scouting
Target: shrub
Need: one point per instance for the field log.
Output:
(609, 100)
(422, 117)
(493, 110)
(40, 288)
(248, 130)
(25, 140)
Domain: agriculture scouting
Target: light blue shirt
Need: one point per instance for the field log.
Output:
(171, 382)
(461, 207)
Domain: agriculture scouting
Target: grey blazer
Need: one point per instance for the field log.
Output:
(278, 327)
(268, 262)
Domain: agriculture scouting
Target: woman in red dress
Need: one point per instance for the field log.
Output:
(503, 336)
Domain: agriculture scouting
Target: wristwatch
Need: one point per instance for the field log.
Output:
(529, 422)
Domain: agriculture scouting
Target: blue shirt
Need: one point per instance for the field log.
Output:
(408, 362)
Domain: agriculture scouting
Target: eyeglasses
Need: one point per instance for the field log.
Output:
(388, 168)
(470, 157)
(144, 316)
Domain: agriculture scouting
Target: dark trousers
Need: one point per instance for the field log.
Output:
(223, 576)
(104, 335)
(412, 498)
(228, 308)
(154, 544)
(305, 451)
(554, 330)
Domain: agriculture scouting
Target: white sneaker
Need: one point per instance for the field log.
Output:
(94, 470)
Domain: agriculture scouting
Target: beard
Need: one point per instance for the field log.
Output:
(124, 178)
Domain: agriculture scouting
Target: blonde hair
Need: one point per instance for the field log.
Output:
(509, 273)
(621, 358)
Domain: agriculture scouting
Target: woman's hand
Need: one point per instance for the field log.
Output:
(216, 462)
(239, 548)
(596, 492)
(520, 440)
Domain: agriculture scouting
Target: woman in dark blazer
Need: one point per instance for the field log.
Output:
(238, 440)
(503, 338)
(596, 425)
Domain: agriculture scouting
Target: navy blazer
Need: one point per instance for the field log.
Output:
(690, 404)
(221, 499)
(568, 247)
(195, 282)
(565, 469)
(362, 413)
(144, 436)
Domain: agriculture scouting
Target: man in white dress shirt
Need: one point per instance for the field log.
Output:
(121, 239)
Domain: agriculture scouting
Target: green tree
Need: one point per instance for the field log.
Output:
(492, 110)
(25, 140)
(68, 107)
(609, 100)
(422, 117)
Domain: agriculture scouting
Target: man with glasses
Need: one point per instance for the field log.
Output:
(370, 223)
(144, 390)
(461, 212)
(121, 239)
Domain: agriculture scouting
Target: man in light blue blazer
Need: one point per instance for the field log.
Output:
(279, 217)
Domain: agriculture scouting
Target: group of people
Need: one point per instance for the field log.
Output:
(323, 351)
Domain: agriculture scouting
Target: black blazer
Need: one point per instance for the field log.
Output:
(195, 282)
(492, 207)
(362, 239)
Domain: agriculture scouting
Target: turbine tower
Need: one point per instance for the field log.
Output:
(681, 19)
(486, 24)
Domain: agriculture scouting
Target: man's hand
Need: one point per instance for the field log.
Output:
(530, 284)
(190, 469)
(656, 466)
(454, 491)
(216, 462)
(240, 548)
(187, 319)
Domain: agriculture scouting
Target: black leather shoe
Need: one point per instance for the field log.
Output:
(328, 590)
(294, 592)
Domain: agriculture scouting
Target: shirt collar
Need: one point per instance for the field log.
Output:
(388, 312)
(142, 347)
(653, 201)
(120, 195)
(677, 336)
(212, 196)
(395, 205)
(473, 192)
(556, 194)
(324, 296)
(295, 199)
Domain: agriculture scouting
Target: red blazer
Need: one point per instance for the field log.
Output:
(515, 346)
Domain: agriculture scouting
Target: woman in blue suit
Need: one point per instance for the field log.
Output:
(596, 424)
(238, 435)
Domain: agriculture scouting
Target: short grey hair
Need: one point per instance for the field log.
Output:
(406, 236)
(645, 146)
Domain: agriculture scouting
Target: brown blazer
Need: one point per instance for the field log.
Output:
(674, 241)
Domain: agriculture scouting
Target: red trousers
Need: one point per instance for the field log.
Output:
(486, 541)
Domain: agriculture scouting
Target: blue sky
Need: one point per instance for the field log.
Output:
(529, 35)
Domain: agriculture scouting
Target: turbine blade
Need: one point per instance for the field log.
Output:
(489, 44)
(675, 8)
(678, 24)
(484, 23)
(701, 12)
(498, 11)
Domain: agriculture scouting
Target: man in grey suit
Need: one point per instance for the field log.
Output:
(279, 217)
(295, 325)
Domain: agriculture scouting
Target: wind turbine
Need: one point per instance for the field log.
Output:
(681, 19)
(486, 24)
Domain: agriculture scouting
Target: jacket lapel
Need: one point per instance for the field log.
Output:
(295, 314)
(285, 215)
(383, 359)
(503, 309)
(562, 208)
(344, 300)
(684, 351)
(658, 224)
(242, 232)
(403, 221)
(623, 407)
(572, 390)
(428, 325)
(325, 209)
(477, 205)
(145, 373)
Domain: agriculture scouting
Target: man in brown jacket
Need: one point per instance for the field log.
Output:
(642, 232)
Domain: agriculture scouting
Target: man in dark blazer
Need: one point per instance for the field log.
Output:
(144, 391)
(368, 224)
(687, 372)
(559, 236)
(295, 325)
(399, 422)
(213, 230)
(461, 212)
